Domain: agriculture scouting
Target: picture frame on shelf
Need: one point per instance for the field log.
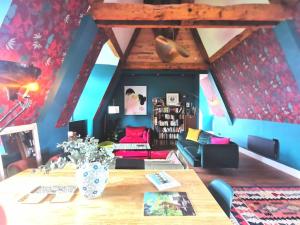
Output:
(172, 99)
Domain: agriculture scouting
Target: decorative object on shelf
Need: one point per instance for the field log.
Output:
(92, 164)
(172, 99)
(135, 100)
(157, 101)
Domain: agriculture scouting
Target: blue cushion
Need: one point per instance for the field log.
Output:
(204, 138)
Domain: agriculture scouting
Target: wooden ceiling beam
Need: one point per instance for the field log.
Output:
(131, 43)
(111, 35)
(164, 66)
(200, 45)
(231, 44)
(151, 16)
(185, 24)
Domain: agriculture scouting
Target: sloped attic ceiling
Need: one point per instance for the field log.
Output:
(143, 54)
(213, 39)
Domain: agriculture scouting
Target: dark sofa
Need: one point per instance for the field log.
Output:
(206, 155)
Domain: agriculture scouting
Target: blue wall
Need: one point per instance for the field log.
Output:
(287, 134)
(157, 86)
(49, 135)
(5, 4)
(92, 94)
(207, 117)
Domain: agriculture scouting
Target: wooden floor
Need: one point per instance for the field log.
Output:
(250, 172)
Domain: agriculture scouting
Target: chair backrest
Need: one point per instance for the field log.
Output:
(223, 193)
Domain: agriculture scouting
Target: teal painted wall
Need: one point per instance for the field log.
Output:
(5, 4)
(92, 94)
(157, 86)
(286, 133)
(49, 135)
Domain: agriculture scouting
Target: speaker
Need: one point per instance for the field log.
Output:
(79, 126)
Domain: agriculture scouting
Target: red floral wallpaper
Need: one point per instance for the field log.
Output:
(257, 82)
(38, 32)
(82, 79)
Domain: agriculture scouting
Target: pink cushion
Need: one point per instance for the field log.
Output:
(126, 153)
(134, 131)
(219, 141)
(128, 139)
(159, 154)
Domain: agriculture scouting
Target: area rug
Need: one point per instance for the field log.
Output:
(266, 206)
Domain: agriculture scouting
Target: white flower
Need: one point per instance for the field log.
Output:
(37, 36)
(67, 19)
(36, 45)
(10, 44)
(48, 61)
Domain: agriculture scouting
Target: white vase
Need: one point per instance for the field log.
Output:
(92, 179)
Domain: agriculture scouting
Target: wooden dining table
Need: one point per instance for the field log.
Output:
(120, 203)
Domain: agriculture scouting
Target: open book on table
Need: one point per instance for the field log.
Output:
(162, 180)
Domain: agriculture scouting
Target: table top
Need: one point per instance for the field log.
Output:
(120, 203)
(132, 146)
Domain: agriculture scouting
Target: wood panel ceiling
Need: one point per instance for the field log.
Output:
(143, 54)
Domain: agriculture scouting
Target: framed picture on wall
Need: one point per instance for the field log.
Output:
(172, 99)
(135, 100)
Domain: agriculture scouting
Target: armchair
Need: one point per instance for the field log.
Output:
(136, 135)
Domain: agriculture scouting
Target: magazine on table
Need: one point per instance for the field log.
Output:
(162, 180)
(167, 204)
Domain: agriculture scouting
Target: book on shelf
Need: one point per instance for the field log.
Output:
(162, 180)
(167, 204)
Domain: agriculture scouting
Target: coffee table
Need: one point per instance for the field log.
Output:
(134, 147)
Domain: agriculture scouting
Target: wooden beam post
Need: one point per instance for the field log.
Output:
(231, 44)
(200, 45)
(111, 35)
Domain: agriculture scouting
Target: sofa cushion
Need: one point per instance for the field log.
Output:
(219, 141)
(193, 134)
(204, 138)
(192, 151)
(187, 143)
(129, 139)
(134, 131)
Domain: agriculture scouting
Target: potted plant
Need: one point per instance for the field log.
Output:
(91, 161)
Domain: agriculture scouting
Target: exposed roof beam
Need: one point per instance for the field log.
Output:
(164, 66)
(111, 35)
(200, 15)
(131, 43)
(231, 44)
(200, 45)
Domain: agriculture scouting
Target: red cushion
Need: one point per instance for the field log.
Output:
(127, 153)
(134, 131)
(219, 141)
(159, 154)
(128, 139)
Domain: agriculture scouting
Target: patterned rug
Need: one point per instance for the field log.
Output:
(266, 206)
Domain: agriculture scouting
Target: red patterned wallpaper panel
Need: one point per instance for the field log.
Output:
(257, 82)
(82, 79)
(38, 32)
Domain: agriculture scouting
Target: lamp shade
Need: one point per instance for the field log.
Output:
(113, 109)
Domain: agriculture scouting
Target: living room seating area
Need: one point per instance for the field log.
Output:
(209, 151)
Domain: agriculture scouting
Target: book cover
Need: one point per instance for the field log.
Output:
(167, 204)
(162, 180)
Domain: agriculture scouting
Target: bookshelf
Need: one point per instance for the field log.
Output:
(168, 121)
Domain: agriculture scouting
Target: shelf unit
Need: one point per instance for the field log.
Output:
(167, 121)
